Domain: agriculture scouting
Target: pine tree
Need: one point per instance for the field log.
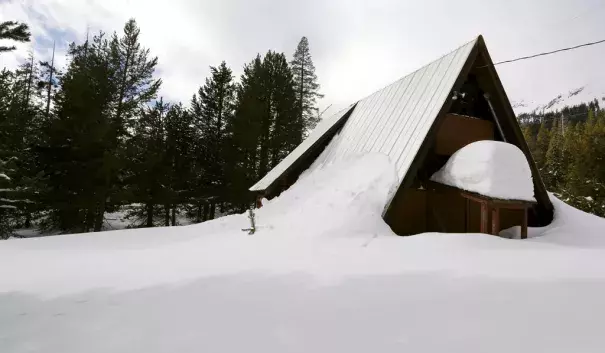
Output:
(133, 70)
(20, 110)
(567, 158)
(599, 149)
(105, 84)
(589, 143)
(280, 125)
(149, 171)
(48, 81)
(542, 142)
(287, 125)
(529, 137)
(80, 140)
(180, 157)
(18, 122)
(581, 181)
(213, 109)
(266, 119)
(266, 126)
(7, 208)
(15, 31)
(599, 163)
(575, 173)
(131, 74)
(305, 83)
(554, 170)
(589, 170)
(244, 134)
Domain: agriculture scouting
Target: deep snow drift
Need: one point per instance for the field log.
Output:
(322, 274)
(490, 168)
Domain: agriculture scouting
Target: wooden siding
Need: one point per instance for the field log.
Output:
(457, 131)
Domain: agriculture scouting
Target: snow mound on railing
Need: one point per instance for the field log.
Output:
(490, 168)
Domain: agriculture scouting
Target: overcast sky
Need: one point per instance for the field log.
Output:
(357, 46)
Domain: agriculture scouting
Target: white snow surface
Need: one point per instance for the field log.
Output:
(323, 273)
(491, 168)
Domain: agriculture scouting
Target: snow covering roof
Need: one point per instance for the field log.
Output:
(485, 167)
(394, 120)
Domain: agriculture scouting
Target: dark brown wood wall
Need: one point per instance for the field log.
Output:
(417, 210)
(457, 131)
(410, 212)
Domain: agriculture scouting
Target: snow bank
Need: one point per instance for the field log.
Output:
(349, 195)
(333, 204)
(490, 168)
(322, 274)
(570, 227)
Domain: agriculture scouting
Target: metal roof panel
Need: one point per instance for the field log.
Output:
(396, 119)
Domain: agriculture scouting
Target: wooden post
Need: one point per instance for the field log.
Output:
(484, 217)
(467, 226)
(427, 210)
(495, 220)
(493, 206)
(524, 224)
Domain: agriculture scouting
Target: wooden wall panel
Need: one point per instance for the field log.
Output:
(475, 217)
(408, 212)
(418, 211)
(458, 131)
(446, 212)
(510, 218)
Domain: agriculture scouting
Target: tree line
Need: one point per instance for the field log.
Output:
(568, 146)
(94, 137)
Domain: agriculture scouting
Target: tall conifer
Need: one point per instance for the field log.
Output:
(305, 84)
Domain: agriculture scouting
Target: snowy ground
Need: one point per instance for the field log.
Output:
(322, 274)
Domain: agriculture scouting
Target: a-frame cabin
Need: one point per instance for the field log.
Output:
(419, 121)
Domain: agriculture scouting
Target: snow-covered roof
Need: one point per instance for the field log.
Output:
(485, 167)
(394, 120)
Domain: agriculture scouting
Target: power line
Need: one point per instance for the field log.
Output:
(546, 53)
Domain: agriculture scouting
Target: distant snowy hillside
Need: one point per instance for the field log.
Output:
(583, 94)
(323, 273)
